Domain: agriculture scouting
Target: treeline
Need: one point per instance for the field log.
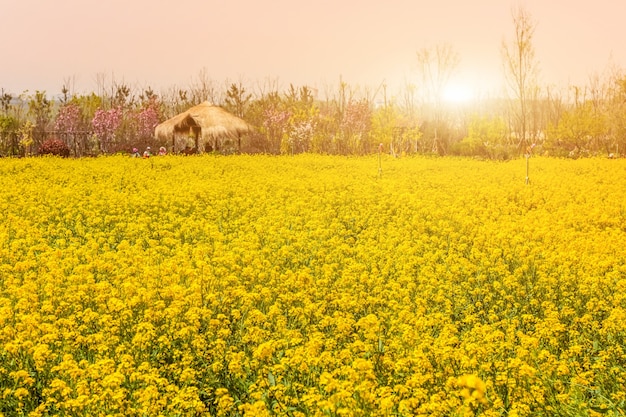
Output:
(345, 120)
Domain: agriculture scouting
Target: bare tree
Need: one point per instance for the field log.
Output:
(204, 89)
(436, 66)
(101, 85)
(408, 99)
(520, 68)
(40, 108)
(266, 86)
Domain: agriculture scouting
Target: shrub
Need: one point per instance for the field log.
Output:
(54, 147)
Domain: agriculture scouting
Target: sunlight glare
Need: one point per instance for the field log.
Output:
(457, 93)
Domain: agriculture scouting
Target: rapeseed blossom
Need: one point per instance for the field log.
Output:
(311, 285)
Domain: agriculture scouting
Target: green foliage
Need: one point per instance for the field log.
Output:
(578, 131)
(302, 122)
(355, 128)
(324, 133)
(345, 122)
(469, 147)
(88, 105)
(385, 122)
(486, 138)
(40, 109)
(490, 130)
(25, 134)
(394, 130)
(237, 100)
(409, 138)
(616, 114)
(123, 96)
(7, 124)
(5, 101)
(8, 135)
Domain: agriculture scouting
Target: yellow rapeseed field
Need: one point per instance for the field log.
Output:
(312, 286)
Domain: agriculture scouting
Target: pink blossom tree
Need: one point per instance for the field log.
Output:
(146, 119)
(68, 124)
(276, 127)
(355, 126)
(106, 124)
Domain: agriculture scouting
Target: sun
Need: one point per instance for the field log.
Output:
(457, 94)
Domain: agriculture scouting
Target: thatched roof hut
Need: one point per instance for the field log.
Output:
(210, 127)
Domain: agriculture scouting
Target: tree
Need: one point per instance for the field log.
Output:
(617, 115)
(8, 135)
(578, 131)
(8, 126)
(25, 134)
(355, 127)
(385, 125)
(146, 120)
(325, 132)
(272, 118)
(123, 96)
(68, 125)
(302, 120)
(237, 99)
(608, 96)
(88, 105)
(40, 108)
(203, 89)
(486, 137)
(106, 124)
(520, 67)
(5, 101)
(436, 67)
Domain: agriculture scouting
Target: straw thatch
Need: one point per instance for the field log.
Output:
(210, 126)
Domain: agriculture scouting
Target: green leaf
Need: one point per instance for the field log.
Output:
(272, 379)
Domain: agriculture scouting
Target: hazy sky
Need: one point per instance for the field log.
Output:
(166, 43)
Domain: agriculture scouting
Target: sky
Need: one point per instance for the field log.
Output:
(165, 44)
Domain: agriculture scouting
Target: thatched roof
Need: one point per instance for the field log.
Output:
(210, 122)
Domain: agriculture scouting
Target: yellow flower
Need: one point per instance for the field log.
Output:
(20, 393)
(22, 377)
(223, 401)
(359, 295)
(472, 388)
(264, 351)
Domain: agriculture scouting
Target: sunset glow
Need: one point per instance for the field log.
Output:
(296, 43)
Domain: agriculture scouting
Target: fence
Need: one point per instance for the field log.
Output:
(81, 143)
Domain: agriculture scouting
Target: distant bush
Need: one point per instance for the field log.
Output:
(469, 147)
(54, 147)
